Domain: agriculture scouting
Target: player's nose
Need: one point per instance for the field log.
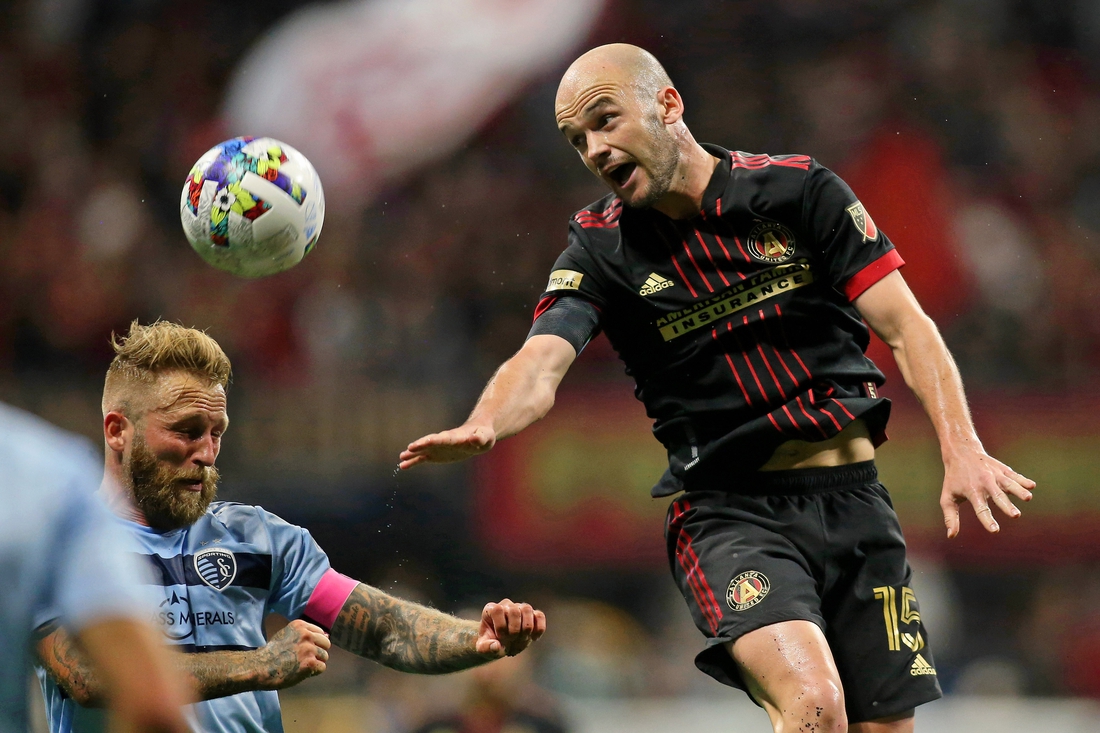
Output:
(596, 148)
(206, 452)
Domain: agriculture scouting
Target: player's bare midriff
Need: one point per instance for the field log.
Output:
(851, 445)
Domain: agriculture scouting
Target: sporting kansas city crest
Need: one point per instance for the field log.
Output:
(216, 567)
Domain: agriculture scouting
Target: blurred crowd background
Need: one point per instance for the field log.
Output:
(969, 128)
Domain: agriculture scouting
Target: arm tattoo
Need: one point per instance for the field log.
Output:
(404, 635)
(68, 667)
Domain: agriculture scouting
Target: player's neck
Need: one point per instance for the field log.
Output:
(118, 499)
(693, 173)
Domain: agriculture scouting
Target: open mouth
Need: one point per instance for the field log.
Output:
(620, 174)
(191, 485)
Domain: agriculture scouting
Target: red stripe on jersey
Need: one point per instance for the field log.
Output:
(712, 264)
(696, 264)
(823, 411)
(794, 353)
(845, 409)
(748, 400)
(768, 364)
(756, 162)
(543, 306)
(775, 424)
(748, 363)
(779, 356)
(790, 417)
(857, 284)
(718, 207)
(816, 424)
(684, 277)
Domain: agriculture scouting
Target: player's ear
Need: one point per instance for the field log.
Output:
(670, 105)
(116, 430)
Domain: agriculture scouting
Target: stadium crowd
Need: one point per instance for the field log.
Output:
(969, 128)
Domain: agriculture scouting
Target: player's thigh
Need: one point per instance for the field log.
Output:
(738, 574)
(789, 669)
(872, 614)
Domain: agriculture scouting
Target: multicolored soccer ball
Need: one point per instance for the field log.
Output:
(252, 206)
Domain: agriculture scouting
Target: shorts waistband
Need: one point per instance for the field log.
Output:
(818, 480)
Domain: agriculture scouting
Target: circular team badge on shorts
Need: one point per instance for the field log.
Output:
(770, 241)
(747, 589)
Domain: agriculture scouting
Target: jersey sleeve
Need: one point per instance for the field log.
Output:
(297, 565)
(575, 275)
(855, 253)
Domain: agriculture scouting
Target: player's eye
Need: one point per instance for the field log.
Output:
(577, 141)
(604, 121)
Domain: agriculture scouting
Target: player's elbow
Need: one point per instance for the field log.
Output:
(916, 328)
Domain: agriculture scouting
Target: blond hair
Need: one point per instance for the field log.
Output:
(146, 352)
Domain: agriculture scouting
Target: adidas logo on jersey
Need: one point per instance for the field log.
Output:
(653, 283)
(921, 666)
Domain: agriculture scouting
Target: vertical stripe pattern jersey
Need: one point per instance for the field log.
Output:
(737, 324)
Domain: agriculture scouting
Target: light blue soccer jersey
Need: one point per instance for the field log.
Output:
(215, 581)
(60, 548)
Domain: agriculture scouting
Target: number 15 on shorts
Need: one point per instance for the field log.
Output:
(904, 612)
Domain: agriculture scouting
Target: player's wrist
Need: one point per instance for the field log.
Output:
(960, 448)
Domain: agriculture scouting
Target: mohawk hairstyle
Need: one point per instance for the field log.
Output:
(148, 351)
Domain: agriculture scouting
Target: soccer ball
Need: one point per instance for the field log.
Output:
(252, 206)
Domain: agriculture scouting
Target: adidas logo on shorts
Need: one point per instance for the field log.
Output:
(921, 667)
(653, 283)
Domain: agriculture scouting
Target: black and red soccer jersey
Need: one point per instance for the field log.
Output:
(737, 324)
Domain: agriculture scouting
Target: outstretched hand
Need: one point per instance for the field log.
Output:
(980, 479)
(508, 628)
(449, 446)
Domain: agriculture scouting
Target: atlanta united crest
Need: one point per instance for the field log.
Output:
(747, 589)
(216, 567)
(770, 241)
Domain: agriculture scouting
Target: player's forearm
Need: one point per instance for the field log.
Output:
(514, 398)
(404, 635)
(931, 373)
(220, 674)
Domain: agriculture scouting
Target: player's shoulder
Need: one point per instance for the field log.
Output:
(246, 521)
(602, 214)
(770, 169)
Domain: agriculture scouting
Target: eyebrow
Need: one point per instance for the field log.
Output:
(601, 101)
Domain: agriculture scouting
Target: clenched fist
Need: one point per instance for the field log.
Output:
(507, 628)
(298, 651)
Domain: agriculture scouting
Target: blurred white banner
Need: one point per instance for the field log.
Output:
(372, 90)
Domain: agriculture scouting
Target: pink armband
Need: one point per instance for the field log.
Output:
(328, 598)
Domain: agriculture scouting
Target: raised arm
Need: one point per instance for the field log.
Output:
(298, 651)
(970, 474)
(521, 392)
(413, 638)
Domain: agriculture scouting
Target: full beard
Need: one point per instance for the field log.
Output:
(661, 168)
(159, 493)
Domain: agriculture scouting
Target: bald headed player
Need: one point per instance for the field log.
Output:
(222, 567)
(736, 288)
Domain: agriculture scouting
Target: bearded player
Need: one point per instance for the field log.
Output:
(738, 290)
(221, 567)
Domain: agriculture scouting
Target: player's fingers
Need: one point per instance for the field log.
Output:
(311, 628)
(984, 513)
(322, 654)
(1014, 484)
(486, 645)
(540, 625)
(1000, 498)
(321, 641)
(498, 616)
(513, 618)
(950, 518)
(527, 618)
(1019, 478)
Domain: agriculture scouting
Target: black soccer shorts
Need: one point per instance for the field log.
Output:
(819, 544)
